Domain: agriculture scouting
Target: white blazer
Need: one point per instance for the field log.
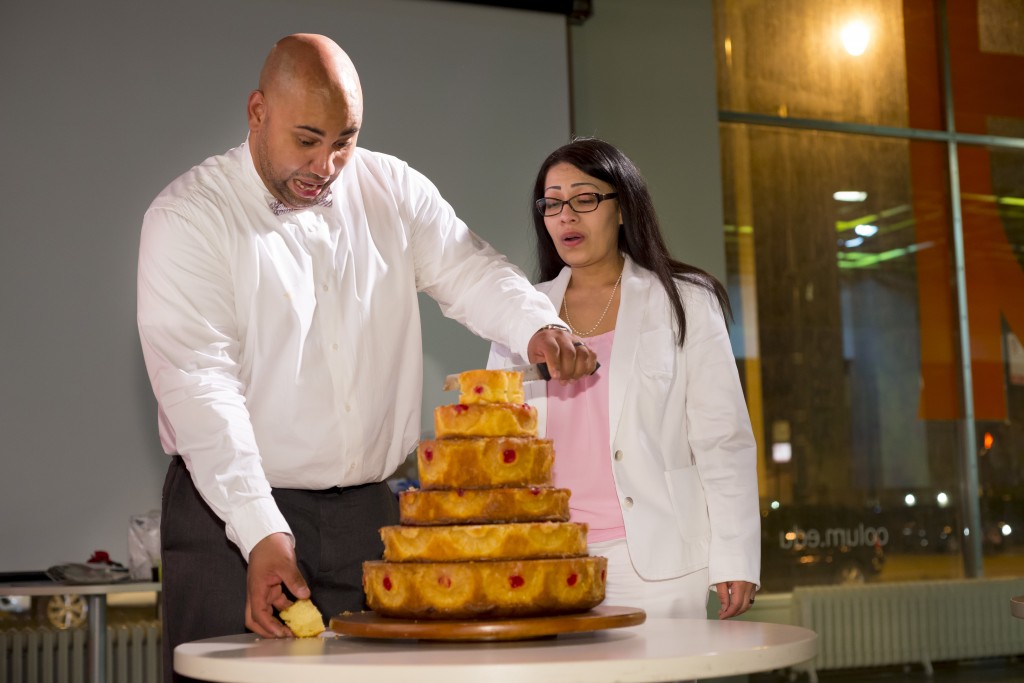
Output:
(683, 452)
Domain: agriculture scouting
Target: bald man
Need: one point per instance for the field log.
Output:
(279, 319)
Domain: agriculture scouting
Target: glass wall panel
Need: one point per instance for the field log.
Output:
(992, 196)
(986, 44)
(840, 269)
(843, 60)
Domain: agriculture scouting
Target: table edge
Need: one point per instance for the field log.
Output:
(55, 588)
(704, 665)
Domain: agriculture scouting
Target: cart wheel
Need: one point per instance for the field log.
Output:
(66, 611)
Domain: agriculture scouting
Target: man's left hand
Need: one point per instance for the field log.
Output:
(567, 357)
(272, 568)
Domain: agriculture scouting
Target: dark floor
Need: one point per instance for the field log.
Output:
(998, 670)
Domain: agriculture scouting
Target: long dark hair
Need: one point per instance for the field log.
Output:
(639, 235)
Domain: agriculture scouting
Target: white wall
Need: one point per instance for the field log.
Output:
(644, 80)
(104, 103)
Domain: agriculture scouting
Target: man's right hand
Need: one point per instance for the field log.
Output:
(567, 358)
(272, 567)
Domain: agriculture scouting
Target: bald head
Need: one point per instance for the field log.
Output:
(309, 63)
(305, 117)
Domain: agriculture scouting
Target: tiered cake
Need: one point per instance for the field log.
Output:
(487, 536)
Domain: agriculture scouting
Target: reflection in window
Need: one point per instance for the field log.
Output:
(993, 209)
(841, 265)
(834, 252)
(836, 293)
(987, 63)
(841, 61)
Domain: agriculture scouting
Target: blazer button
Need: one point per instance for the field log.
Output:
(618, 455)
(627, 502)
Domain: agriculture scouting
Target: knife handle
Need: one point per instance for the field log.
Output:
(543, 368)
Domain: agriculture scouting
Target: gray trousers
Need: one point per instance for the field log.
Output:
(203, 574)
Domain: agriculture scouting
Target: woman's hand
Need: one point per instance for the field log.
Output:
(736, 597)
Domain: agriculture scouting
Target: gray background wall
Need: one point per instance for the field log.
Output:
(644, 79)
(102, 104)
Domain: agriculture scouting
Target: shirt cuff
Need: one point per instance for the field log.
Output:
(253, 522)
(533, 328)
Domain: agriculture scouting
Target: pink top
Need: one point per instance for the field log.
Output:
(577, 422)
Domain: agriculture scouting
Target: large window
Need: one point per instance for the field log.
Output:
(873, 244)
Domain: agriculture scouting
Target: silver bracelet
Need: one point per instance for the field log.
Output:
(555, 327)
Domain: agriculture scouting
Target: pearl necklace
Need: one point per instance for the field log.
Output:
(565, 307)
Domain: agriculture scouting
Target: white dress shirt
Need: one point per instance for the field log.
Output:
(286, 351)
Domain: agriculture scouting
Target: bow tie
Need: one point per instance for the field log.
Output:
(325, 199)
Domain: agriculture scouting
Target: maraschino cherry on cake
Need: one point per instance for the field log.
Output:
(486, 536)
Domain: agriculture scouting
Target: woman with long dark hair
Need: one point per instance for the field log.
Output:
(656, 447)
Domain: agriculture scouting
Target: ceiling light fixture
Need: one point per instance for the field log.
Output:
(855, 36)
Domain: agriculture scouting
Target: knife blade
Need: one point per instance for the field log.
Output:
(531, 373)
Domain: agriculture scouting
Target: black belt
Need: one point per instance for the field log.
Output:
(333, 489)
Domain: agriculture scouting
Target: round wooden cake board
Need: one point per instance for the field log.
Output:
(372, 625)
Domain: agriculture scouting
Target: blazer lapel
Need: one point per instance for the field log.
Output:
(555, 289)
(634, 293)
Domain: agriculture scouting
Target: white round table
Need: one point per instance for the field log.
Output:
(96, 598)
(657, 650)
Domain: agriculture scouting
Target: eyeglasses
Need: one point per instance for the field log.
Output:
(581, 203)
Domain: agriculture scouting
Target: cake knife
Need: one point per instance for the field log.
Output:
(531, 372)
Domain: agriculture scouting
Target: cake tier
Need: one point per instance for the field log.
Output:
(523, 541)
(485, 419)
(466, 590)
(484, 462)
(478, 506)
(490, 386)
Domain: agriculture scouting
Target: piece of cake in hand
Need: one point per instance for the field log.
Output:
(303, 618)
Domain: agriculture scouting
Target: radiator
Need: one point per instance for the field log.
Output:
(970, 619)
(914, 622)
(44, 655)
